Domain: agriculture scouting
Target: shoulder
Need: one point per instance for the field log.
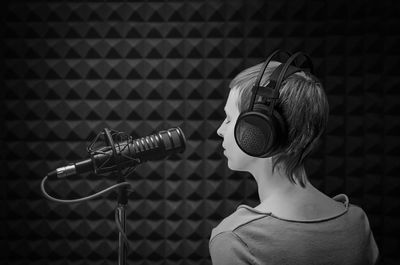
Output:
(241, 217)
(354, 212)
(360, 230)
(227, 245)
(358, 217)
(227, 248)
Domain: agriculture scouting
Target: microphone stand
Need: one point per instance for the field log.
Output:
(167, 142)
(122, 202)
(121, 213)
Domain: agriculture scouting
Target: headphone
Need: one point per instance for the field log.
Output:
(261, 131)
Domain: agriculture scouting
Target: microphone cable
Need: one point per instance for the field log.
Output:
(97, 194)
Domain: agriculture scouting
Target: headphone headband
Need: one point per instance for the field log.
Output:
(288, 64)
(284, 70)
(287, 70)
(261, 73)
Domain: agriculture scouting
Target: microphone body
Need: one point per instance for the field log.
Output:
(130, 153)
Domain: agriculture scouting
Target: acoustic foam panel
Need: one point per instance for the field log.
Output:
(72, 68)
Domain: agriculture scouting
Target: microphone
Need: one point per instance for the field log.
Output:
(130, 152)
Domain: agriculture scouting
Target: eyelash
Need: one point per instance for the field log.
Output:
(226, 120)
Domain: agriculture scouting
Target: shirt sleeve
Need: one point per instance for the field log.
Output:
(227, 248)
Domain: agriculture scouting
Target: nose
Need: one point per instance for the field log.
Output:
(219, 131)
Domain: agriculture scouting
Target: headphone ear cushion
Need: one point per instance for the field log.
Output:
(257, 133)
(281, 133)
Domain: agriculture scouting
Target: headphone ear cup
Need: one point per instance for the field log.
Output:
(280, 132)
(257, 133)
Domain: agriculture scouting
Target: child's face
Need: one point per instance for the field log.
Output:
(237, 159)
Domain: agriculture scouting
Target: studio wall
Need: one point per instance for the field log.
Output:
(72, 68)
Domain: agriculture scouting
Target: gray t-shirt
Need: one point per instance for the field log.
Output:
(249, 236)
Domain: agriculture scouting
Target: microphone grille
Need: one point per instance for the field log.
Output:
(158, 145)
(173, 140)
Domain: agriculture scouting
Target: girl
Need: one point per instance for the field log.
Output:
(294, 223)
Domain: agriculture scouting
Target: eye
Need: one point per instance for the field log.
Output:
(227, 120)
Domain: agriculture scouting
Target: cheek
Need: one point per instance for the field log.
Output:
(229, 137)
(237, 159)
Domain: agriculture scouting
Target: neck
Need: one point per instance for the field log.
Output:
(278, 195)
(273, 185)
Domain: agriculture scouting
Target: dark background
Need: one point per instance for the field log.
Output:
(72, 68)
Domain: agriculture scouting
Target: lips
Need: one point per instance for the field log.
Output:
(223, 149)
